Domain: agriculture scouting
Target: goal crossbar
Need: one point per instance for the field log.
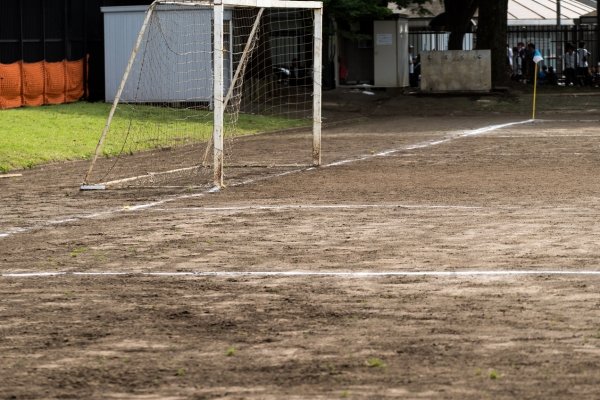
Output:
(250, 3)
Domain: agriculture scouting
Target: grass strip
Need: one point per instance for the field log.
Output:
(32, 136)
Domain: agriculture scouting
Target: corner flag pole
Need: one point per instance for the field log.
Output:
(534, 90)
(537, 57)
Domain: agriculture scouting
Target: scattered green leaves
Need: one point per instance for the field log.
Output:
(230, 351)
(78, 250)
(375, 362)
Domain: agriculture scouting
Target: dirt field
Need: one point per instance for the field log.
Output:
(468, 229)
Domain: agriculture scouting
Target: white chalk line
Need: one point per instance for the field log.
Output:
(308, 207)
(75, 218)
(308, 274)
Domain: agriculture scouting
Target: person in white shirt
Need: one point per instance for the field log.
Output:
(583, 72)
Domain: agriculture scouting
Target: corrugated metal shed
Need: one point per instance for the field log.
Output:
(175, 59)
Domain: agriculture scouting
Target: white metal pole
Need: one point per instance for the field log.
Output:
(132, 57)
(559, 40)
(317, 78)
(238, 71)
(218, 94)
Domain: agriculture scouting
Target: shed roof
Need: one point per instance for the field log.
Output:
(543, 12)
(524, 12)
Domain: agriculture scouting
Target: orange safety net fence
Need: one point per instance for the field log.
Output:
(35, 84)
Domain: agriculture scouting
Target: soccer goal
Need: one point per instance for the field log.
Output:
(201, 75)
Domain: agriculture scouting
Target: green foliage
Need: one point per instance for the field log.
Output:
(78, 250)
(352, 9)
(375, 362)
(347, 12)
(230, 351)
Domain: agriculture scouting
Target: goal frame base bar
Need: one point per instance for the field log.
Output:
(85, 187)
(107, 185)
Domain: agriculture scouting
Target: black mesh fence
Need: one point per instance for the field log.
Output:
(551, 41)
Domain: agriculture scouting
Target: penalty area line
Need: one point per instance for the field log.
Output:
(144, 206)
(307, 274)
(311, 207)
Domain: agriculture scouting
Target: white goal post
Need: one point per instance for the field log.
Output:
(222, 88)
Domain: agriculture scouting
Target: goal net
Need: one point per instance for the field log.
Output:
(201, 76)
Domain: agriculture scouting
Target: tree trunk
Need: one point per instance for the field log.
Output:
(455, 41)
(491, 34)
(458, 17)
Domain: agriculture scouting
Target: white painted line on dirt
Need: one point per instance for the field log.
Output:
(490, 128)
(300, 274)
(314, 207)
(32, 274)
(145, 206)
(422, 145)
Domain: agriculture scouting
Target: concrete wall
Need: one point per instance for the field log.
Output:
(456, 71)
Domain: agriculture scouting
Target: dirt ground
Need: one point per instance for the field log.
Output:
(408, 185)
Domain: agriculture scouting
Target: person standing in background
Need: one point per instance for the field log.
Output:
(583, 72)
(529, 65)
(509, 60)
(413, 78)
(570, 61)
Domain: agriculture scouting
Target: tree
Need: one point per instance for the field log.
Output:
(456, 19)
(346, 12)
(491, 34)
(349, 10)
(352, 9)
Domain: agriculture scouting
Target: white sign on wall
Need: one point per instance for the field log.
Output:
(384, 39)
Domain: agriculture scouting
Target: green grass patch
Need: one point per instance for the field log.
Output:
(375, 362)
(77, 251)
(494, 374)
(32, 136)
(230, 352)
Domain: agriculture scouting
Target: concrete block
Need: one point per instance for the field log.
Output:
(456, 71)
